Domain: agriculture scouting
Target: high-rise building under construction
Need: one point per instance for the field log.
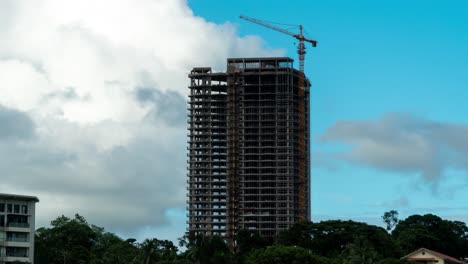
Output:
(248, 148)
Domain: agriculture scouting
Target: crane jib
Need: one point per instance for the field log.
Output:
(300, 48)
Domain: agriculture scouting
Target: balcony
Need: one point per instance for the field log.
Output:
(17, 239)
(6, 259)
(17, 254)
(20, 225)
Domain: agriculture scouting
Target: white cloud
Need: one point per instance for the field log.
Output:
(403, 143)
(103, 84)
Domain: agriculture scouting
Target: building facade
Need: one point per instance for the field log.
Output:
(17, 226)
(248, 148)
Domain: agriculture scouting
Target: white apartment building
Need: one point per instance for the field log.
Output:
(17, 226)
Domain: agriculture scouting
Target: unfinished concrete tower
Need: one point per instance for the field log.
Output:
(248, 148)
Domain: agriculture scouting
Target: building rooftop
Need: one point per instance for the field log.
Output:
(18, 197)
(438, 254)
(260, 59)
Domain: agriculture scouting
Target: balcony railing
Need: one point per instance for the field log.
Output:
(17, 239)
(17, 254)
(22, 225)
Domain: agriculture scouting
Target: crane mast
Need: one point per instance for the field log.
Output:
(302, 210)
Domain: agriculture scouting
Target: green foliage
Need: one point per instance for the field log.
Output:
(324, 260)
(156, 251)
(390, 219)
(395, 261)
(109, 248)
(361, 251)
(75, 241)
(206, 250)
(280, 255)
(248, 241)
(68, 241)
(432, 232)
(335, 238)
(300, 234)
(286, 254)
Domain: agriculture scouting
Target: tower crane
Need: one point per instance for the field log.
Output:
(301, 48)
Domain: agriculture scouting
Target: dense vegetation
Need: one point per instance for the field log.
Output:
(75, 241)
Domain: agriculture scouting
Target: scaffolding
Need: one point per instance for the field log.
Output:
(301, 150)
(232, 154)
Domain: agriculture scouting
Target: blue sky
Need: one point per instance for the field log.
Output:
(373, 58)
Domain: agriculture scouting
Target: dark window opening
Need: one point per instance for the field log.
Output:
(24, 209)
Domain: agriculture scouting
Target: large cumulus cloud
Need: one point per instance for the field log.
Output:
(92, 103)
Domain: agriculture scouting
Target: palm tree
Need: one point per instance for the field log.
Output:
(361, 251)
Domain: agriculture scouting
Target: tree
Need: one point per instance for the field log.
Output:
(390, 219)
(74, 241)
(300, 234)
(280, 255)
(111, 249)
(205, 249)
(155, 251)
(68, 241)
(361, 251)
(247, 241)
(333, 238)
(395, 261)
(432, 232)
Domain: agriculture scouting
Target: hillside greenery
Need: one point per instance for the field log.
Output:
(75, 241)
